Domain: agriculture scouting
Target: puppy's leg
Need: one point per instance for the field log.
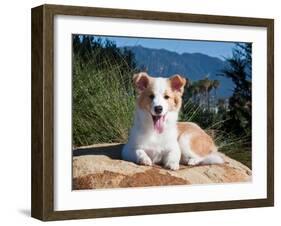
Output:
(135, 155)
(194, 161)
(143, 158)
(172, 159)
(189, 157)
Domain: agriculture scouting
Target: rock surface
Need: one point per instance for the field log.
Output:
(100, 166)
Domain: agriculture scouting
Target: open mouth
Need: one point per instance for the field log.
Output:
(158, 122)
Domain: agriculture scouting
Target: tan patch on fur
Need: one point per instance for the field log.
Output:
(141, 81)
(177, 83)
(144, 86)
(174, 101)
(144, 101)
(175, 96)
(201, 143)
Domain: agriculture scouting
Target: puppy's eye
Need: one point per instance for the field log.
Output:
(166, 97)
(151, 96)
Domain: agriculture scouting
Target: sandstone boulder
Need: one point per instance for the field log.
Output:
(100, 166)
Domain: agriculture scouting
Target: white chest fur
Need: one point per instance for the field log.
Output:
(144, 142)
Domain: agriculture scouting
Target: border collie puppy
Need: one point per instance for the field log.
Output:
(156, 136)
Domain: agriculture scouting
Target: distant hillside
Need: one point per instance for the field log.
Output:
(195, 66)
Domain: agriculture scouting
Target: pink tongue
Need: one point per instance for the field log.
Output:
(159, 124)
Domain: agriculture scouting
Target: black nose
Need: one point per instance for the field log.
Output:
(158, 109)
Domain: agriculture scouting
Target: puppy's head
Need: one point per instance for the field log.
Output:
(159, 96)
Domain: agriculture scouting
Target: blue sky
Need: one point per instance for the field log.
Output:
(211, 48)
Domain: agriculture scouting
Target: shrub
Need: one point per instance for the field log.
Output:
(103, 105)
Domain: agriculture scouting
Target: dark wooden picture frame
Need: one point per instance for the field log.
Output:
(42, 203)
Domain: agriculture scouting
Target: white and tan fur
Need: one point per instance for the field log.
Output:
(156, 136)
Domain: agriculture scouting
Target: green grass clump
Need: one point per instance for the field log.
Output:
(103, 104)
(238, 148)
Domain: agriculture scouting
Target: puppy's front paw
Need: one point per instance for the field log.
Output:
(172, 165)
(145, 160)
(193, 161)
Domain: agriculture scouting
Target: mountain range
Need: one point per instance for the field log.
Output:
(194, 66)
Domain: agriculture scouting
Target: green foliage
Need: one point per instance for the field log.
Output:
(103, 97)
(103, 54)
(239, 116)
(200, 92)
(102, 105)
(193, 112)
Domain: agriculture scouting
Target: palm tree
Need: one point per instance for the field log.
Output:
(209, 91)
(207, 85)
(194, 89)
(221, 105)
(216, 84)
(201, 93)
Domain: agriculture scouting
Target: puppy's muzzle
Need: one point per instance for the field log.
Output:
(158, 109)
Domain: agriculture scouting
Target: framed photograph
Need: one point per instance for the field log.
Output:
(141, 112)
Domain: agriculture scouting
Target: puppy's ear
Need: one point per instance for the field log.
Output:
(141, 81)
(177, 83)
